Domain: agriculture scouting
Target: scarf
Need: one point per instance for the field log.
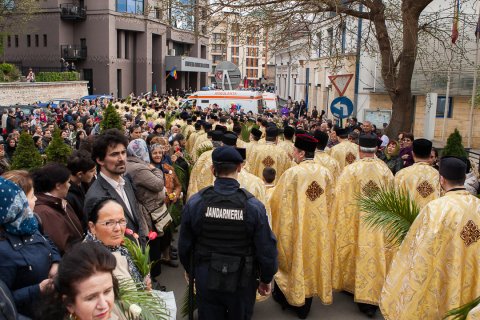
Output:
(138, 148)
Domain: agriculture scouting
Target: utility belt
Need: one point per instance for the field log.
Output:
(228, 273)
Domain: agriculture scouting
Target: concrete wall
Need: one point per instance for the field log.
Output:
(28, 93)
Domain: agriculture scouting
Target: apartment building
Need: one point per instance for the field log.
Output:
(245, 44)
(119, 46)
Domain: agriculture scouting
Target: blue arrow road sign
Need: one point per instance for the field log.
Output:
(341, 107)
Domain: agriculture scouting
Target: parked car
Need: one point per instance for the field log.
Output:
(57, 102)
(95, 97)
(27, 109)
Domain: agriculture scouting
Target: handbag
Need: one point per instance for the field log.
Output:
(161, 218)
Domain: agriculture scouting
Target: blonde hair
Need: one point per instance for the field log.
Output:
(21, 178)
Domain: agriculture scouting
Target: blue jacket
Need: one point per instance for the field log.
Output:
(24, 263)
(257, 226)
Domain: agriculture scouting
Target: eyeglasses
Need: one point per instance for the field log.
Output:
(112, 223)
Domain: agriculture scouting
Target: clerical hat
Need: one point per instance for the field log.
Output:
(305, 142)
(184, 115)
(221, 128)
(422, 148)
(272, 132)
(226, 154)
(341, 132)
(367, 141)
(257, 133)
(217, 135)
(229, 139)
(288, 132)
(453, 168)
(207, 126)
(322, 138)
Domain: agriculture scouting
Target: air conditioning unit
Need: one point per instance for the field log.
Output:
(171, 52)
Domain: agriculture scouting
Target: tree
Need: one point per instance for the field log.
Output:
(26, 156)
(394, 24)
(57, 150)
(454, 146)
(111, 119)
(15, 14)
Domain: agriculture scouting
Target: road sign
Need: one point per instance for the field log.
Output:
(341, 107)
(341, 82)
(227, 75)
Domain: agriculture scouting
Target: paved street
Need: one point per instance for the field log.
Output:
(343, 307)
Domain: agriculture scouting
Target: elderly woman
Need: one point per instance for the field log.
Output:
(390, 156)
(57, 216)
(106, 224)
(406, 150)
(28, 260)
(150, 193)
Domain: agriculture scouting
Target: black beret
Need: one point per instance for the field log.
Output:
(221, 128)
(453, 168)
(230, 139)
(288, 131)
(367, 141)
(257, 133)
(341, 132)
(243, 152)
(226, 154)
(272, 132)
(217, 135)
(305, 142)
(422, 148)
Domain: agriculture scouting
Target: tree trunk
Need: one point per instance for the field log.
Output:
(402, 114)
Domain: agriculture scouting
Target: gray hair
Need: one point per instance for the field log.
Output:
(368, 150)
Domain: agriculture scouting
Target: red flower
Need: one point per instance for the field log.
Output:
(152, 235)
(128, 231)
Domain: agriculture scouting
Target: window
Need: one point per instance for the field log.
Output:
(16, 41)
(29, 40)
(219, 37)
(330, 41)
(216, 59)
(37, 40)
(235, 61)
(343, 30)
(252, 62)
(253, 41)
(235, 27)
(130, 6)
(252, 73)
(441, 107)
(119, 44)
(252, 52)
(319, 44)
(9, 41)
(235, 51)
(44, 40)
(235, 40)
(158, 13)
(217, 48)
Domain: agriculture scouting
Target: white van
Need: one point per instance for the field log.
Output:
(243, 100)
(270, 101)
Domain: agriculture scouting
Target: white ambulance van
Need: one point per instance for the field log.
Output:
(270, 101)
(242, 100)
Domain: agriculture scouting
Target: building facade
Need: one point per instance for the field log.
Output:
(119, 46)
(234, 39)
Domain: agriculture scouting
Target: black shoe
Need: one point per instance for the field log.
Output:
(368, 309)
(303, 311)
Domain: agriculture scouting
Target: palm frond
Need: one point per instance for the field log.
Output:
(169, 118)
(390, 210)
(203, 149)
(182, 176)
(185, 307)
(245, 134)
(140, 256)
(152, 306)
(461, 312)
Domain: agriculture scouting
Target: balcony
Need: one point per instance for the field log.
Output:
(73, 52)
(73, 12)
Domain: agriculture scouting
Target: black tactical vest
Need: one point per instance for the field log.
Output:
(223, 227)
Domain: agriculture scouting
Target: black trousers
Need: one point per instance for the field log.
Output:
(156, 248)
(214, 305)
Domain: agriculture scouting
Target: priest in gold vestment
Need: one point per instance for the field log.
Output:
(193, 136)
(287, 143)
(201, 141)
(437, 265)
(300, 205)
(255, 136)
(361, 255)
(201, 175)
(421, 180)
(269, 155)
(345, 152)
(324, 158)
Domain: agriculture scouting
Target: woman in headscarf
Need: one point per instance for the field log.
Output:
(28, 260)
(390, 156)
(150, 193)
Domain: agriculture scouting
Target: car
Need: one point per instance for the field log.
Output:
(57, 102)
(95, 97)
(27, 109)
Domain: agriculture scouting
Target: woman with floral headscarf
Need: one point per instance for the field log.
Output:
(390, 156)
(149, 191)
(28, 260)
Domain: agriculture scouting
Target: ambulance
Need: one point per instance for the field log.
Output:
(242, 100)
(270, 101)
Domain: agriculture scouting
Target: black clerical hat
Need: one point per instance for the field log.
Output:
(217, 135)
(305, 142)
(257, 133)
(272, 132)
(367, 141)
(229, 139)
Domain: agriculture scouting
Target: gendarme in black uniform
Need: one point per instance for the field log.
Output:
(233, 245)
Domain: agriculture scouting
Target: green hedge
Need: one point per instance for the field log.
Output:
(57, 76)
(8, 72)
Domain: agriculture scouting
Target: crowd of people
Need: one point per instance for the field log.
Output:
(281, 215)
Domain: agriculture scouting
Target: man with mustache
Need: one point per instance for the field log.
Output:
(110, 154)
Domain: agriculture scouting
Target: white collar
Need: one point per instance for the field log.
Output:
(113, 183)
